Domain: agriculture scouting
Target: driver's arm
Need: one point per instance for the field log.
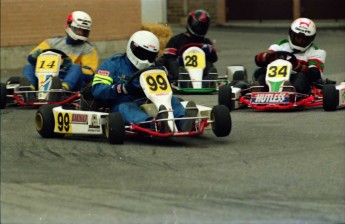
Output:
(34, 53)
(263, 58)
(105, 81)
(89, 63)
(316, 65)
(210, 51)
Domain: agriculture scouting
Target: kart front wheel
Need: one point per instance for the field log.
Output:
(45, 123)
(330, 97)
(115, 128)
(224, 96)
(2, 95)
(221, 117)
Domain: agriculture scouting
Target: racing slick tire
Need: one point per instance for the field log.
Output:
(13, 80)
(115, 128)
(240, 76)
(45, 123)
(2, 95)
(224, 96)
(330, 97)
(56, 85)
(222, 123)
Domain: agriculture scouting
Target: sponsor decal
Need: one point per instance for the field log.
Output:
(304, 23)
(94, 130)
(301, 29)
(79, 118)
(94, 122)
(258, 98)
(103, 72)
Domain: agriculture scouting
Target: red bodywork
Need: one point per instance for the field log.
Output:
(296, 100)
(198, 129)
(71, 99)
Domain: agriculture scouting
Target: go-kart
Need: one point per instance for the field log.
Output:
(55, 121)
(281, 95)
(17, 89)
(191, 75)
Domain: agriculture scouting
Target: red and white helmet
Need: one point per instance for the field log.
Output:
(302, 34)
(78, 25)
(142, 49)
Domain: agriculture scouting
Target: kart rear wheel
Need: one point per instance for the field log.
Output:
(45, 123)
(115, 128)
(2, 95)
(56, 85)
(330, 97)
(224, 96)
(239, 76)
(13, 80)
(222, 123)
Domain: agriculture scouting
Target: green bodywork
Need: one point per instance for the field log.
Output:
(275, 86)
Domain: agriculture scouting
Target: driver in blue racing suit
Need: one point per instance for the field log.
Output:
(78, 68)
(111, 82)
(309, 64)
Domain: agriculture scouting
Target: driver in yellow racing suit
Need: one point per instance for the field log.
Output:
(78, 68)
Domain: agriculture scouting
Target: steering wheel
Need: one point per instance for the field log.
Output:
(185, 47)
(63, 54)
(284, 55)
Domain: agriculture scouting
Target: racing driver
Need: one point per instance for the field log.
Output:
(78, 68)
(310, 60)
(111, 83)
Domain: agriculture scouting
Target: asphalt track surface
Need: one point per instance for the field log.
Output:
(274, 168)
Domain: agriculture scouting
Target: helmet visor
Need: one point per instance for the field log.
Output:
(142, 53)
(80, 31)
(300, 39)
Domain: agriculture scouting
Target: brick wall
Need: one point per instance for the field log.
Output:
(28, 22)
(178, 10)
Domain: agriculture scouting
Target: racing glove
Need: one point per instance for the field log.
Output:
(262, 59)
(36, 53)
(32, 58)
(125, 88)
(297, 66)
(207, 48)
(67, 62)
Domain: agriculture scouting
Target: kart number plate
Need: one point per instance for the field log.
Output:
(278, 71)
(157, 82)
(194, 60)
(47, 63)
(63, 122)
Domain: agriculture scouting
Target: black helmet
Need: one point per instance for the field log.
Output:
(198, 22)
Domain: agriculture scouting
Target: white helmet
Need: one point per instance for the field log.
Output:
(78, 25)
(142, 49)
(302, 33)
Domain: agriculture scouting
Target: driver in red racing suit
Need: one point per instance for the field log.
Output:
(78, 68)
(111, 82)
(197, 26)
(308, 67)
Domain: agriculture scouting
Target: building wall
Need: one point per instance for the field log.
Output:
(28, 22)
(178, 10)
(284, 9)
